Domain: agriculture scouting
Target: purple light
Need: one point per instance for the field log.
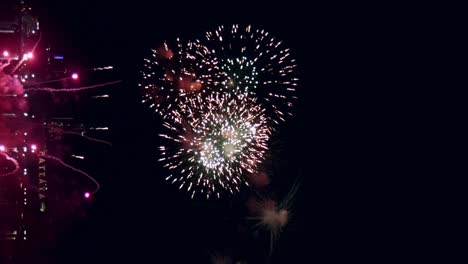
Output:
(33, 147)
(75, 76)
(87, 195)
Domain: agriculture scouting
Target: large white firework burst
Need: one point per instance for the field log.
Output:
(251, 60)
(215, 143)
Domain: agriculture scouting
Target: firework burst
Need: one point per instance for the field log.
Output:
(174, 75)
(251, 60)
(235, 61)
(215, 143)
(273, 216)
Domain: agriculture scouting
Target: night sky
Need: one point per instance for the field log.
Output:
(357, 195)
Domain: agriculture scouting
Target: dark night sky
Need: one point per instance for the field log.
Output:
(357, 195)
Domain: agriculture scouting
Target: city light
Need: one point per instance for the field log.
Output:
(75, 76)
(27, 56)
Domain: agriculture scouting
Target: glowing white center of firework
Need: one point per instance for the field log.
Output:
(229, 149)
(210, 156)
(224, 143)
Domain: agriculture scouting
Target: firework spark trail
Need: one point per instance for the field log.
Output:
(77, 156)
(18, 65)
(76, 170)
(23, 59)
(101, 96)
(7, 157)
(103, 68)
(271, 215)
(53, 90)
(88, 138)
(4, 65)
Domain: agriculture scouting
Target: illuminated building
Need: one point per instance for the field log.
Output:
(19, 30)
(20, 187)
(41, 196)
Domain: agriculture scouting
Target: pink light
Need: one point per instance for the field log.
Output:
(30, 55)
(87, 195)
(75, 76)
(33, 147)
(2, 148)
(6, 53)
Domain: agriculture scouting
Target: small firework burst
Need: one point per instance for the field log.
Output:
(273, 216)
(214, 146)
(175, 74)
